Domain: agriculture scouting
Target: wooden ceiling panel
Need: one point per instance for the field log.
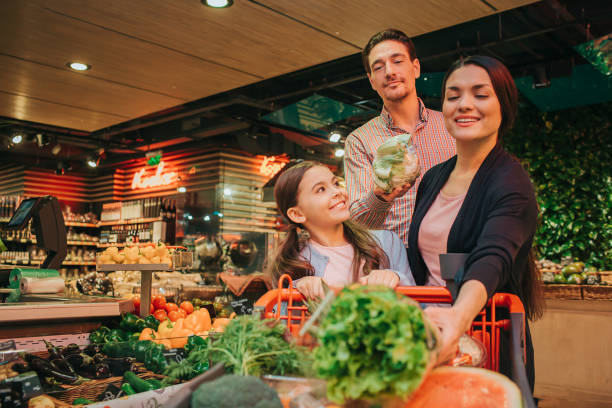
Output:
(27, 108)
(245, 37)
(34, 33)
(66, 87)
(356, 21)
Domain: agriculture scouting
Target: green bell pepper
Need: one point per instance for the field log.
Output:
(151, 322)
(154, 359)
(194, 342)
(129, 322)
(95, 337)
(201, 367)
(114, 349)
(115, 335)
(142, 346)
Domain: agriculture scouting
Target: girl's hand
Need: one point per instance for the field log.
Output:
(311, 287)
(452, 326)
(385, 277)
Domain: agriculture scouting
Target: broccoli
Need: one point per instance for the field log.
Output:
(234, 391)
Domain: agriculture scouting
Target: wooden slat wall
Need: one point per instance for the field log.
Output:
(11, 179)
(244, 209)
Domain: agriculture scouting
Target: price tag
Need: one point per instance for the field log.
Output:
(7, 352)
(175, 355)
(242, 306)
(110, 393)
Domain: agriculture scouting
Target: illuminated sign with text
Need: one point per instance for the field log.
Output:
(141, 180)
(270, 166)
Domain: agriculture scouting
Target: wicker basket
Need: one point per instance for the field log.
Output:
(597, 292)
(92, 389)
(605, 277)
(209, 292)
(562, 291)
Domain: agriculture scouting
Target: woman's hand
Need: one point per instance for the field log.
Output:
(452, 325)
(385, 277)
(311, 287)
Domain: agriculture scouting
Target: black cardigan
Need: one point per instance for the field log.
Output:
(495, 226)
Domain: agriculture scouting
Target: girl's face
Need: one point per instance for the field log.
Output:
(470, 107)
(321, 201)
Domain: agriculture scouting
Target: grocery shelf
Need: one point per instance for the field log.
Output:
(78, 263)
(81, 224)
(130, 221)
(33, 241)
(37, 263)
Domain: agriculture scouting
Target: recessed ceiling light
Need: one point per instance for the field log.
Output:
(92, 163)
(335, 136)
(78, 66)
(18, 138)
(218, 3)
(339, 152)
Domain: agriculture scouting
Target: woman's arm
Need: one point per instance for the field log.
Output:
(456, 320)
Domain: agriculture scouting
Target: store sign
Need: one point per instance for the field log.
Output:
(141, 180)
(270, 166)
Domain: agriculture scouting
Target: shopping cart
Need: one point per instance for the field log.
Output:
(503, 312)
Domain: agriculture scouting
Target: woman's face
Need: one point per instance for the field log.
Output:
(321, 201)
(471, 109)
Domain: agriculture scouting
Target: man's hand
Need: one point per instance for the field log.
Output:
(311, 287)
(385, 277)
(395, 193)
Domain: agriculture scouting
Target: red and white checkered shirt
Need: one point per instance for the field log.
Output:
(433, 145)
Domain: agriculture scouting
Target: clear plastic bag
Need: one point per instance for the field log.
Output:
(396, 163)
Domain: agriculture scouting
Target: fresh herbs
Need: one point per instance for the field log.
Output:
(373, 342)
(250, 346)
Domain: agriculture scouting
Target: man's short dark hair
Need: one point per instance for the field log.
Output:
(385, 35)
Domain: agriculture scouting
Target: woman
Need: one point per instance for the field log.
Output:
(337, 250)
(480, 202)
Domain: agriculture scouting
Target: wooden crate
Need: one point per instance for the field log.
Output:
(554, 291)
(597, 292)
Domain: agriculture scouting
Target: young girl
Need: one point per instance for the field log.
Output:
(337, 250)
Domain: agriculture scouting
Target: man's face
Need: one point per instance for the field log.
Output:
(392, 73)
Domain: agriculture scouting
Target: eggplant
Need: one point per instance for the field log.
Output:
(46, 370)
(63, 366)
(118, 366)
(82, 363)
(99, 358)
(102, 371)
(93, 349)
(72, 348)
(54, 351)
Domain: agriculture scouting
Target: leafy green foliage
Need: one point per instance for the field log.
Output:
(251, 346)
(568, 155)
(372, 342)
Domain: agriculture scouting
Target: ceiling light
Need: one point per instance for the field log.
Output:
(335, 136)
(182, 189)
(227, 191)
(92, 163)
(218, 3)
(78, 66)
(207, 218)
(17, 138)
(339, 152)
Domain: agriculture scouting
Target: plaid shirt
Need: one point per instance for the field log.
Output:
(433, 145)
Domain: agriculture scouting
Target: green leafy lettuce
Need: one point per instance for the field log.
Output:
(372, 343)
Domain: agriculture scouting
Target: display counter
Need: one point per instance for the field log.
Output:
(573, 354)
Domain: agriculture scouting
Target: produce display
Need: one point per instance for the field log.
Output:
(373, 342)
(568, 272)
(396, 163)
(149, 254)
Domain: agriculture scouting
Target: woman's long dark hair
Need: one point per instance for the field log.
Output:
(507, 95)
(289, 260)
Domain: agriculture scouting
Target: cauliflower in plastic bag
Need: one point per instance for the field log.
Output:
(396, 163)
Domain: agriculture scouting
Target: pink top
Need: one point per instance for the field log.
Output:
(338, 271)
(433, 234)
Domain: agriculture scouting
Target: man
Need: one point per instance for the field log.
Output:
(392, 67)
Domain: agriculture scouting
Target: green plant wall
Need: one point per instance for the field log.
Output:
(568, 154)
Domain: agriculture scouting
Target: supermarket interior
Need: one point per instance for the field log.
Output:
(145, 148)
